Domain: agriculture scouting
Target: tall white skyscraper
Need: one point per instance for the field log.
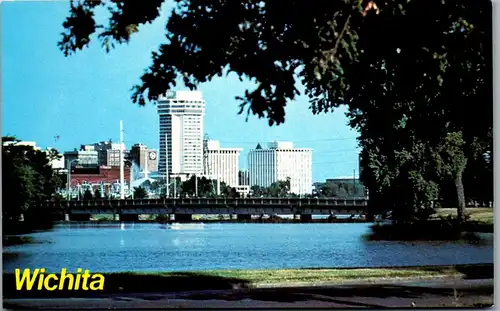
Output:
(279, 162)
(181, 133)
(223, 163)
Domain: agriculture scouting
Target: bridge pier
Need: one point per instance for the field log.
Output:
(305, 218)
(183, 217)
(128, 217)
(245, 217)
(79, 217)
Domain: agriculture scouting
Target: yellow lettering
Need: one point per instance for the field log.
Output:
(26, 277)
(85, 277)
(40, 280)
(53, 281)
(47, 279)
(100, 282)
(65, 276)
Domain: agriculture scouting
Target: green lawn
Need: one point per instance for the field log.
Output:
(481, 214)
(284, 276)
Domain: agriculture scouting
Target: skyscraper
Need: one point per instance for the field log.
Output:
(279, 162)
(181, 133)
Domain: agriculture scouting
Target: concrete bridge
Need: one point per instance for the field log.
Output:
(182, 209)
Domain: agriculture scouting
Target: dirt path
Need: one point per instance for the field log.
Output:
(421, 294)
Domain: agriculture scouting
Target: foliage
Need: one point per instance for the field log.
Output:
(87, 195)
(408, 72)
(228, 191)
(97, 194)
(340, 189)
(280, 188)
(140, 193)
(28, 178)
(205, 187)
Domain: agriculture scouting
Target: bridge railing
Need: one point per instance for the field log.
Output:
(211, 201)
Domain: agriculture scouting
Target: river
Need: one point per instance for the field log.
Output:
(152, 247)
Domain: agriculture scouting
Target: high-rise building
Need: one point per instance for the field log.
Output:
(279, 162)
(222, 163)
(181, 133)
(145, 158)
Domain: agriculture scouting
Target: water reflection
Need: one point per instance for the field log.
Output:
(238, 246)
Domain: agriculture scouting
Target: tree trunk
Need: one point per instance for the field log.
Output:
(459, 185)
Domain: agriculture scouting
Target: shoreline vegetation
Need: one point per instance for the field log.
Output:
(141, 282)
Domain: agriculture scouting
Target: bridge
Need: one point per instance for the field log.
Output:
(182, 209)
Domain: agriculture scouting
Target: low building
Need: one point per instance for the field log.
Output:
(145, 158)
(98, 176)
(243, 190)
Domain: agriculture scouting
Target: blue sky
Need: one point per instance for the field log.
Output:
(83, 97)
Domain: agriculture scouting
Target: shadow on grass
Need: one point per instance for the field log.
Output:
(437, 230)
(129, 283)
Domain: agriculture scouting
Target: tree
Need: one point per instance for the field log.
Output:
(228, 191)
(176, 187)
(370, 56)
(87, 195)
(258, 191)
(140, 193)
(30, 178)
(97, 194)
(280, 188)
(205, 187)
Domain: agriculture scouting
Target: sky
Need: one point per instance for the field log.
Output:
(82, 98)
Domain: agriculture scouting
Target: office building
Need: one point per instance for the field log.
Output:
(145, 158)
(222, 163)
(281, 161)
(85, 157)
(108, 153)
(181, 133)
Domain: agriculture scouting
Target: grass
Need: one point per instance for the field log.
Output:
(137, 282)
(478, 214)
(285, 276)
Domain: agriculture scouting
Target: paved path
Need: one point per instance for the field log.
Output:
(437, 293)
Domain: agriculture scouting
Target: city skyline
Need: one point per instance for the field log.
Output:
(81, 99)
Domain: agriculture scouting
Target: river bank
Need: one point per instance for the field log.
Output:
(144, 282)
(431, 286)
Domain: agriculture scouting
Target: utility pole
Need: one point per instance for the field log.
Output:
(195, 186)
(206, 165)
(145, 164)
(175, 187)
(167, 181)
(122, 163)
(353, 182)
(68, 180)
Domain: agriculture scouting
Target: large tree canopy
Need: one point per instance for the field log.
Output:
(416, 76)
